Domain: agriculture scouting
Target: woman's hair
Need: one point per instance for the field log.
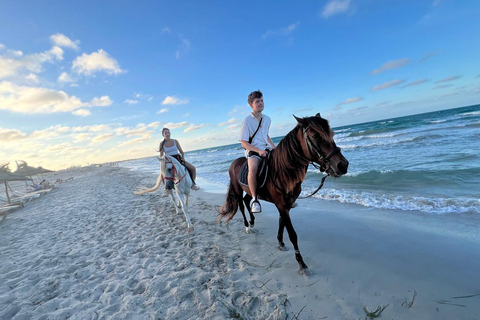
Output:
(163, 142)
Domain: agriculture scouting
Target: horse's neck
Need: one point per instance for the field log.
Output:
(288, 161)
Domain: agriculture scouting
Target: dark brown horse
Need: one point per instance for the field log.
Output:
(311, 141)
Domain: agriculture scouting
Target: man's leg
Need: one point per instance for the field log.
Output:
(252, 182)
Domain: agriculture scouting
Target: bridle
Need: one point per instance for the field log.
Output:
(174, 172)
(324, 160)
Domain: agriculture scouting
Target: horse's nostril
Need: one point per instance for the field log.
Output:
(343, 166)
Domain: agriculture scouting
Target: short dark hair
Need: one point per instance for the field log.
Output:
(254, 95)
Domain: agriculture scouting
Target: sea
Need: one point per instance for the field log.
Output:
(429, 163)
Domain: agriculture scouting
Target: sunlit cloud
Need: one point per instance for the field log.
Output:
(387, 85)
(174, 100)
(184, 47)
(194, 127)
(172, 125)
(334, 7)
(390, 65)
(230, 121)
(88, 64)
(281, 32)
(82, 112)
(11, 135)
(101, 138)
(64, 41)
(162, 110)
(350, 100)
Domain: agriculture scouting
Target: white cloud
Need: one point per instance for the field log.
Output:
(281, 32)
(103, 101)
(172, 125)
(229, 121)
(64, 41)
(88, 64)
(11, 65)
(184, 47)
(174, 100)
(387, 85)
(389, 65)
(65, 77)
(130, 101)
(154, 125)
(335, 7)
(32, 78)
(162, 110)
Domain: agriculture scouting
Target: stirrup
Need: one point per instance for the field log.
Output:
(255, 206)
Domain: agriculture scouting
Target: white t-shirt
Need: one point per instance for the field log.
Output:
(250, 125)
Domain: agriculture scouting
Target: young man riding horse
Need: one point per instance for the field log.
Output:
(255, 140)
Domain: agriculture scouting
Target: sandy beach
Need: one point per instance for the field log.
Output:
(91, 249)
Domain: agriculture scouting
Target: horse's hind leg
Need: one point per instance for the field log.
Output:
(247, 200)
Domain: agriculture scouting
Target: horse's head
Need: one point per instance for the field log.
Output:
(168, 169)
(319, 146)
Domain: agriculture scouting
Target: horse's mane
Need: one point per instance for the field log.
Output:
(288, 159)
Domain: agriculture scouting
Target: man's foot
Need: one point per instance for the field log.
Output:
(255, 206)
(195, 187)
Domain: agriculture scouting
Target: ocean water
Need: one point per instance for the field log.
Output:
(427, 162)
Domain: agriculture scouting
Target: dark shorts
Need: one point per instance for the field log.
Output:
(179, 158)
(253, 154)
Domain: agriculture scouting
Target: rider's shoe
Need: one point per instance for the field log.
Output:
(255, 206)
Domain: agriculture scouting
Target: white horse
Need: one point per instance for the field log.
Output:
(175, 176)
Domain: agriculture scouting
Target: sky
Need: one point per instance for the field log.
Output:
(84, 82)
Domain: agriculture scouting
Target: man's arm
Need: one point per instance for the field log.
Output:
(248, 146)
(271, 142)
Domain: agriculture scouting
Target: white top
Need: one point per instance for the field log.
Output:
(250, 125)
(171, 151)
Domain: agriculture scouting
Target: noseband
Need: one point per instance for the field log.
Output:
(174, 172)
(324, 160)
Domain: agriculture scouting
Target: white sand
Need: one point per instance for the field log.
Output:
(90, 249)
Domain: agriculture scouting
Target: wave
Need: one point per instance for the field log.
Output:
(435, 205)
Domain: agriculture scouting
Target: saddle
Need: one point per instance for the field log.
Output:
(261, 174)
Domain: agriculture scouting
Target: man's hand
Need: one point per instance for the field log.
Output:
(262, 153)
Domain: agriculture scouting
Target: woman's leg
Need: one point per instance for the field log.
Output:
(191, 169)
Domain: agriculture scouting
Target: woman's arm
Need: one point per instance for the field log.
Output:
(180, 149)
(271, 142)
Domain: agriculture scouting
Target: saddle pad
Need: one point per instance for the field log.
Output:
(261, 176)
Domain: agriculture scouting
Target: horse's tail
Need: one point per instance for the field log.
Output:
(230, 207)
(155, 188)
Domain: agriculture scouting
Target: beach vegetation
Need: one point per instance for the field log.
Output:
(374, 314)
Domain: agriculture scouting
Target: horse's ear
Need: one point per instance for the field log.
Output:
(318, 115)
(301, 121)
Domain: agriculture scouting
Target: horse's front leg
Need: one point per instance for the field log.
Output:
(285, 217)
(170, 193)
(281, 227)
(248, 224)
(183, 204)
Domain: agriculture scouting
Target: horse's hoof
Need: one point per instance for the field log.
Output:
(304, 272)
(282, 247)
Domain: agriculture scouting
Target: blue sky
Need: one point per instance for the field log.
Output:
(95, 81)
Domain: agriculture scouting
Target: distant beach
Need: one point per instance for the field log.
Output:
(91, 249)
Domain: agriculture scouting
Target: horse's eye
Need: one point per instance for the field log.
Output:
(314, 136)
